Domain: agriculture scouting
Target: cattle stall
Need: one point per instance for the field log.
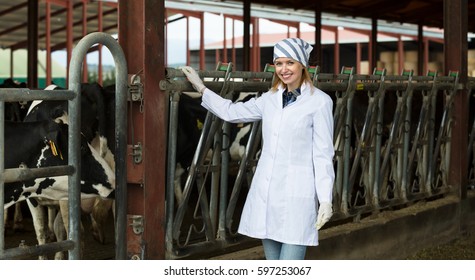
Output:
(73, 169)
(392, 143)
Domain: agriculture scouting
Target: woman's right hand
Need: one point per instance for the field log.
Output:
(194, 79)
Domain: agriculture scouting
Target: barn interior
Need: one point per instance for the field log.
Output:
(47, 26)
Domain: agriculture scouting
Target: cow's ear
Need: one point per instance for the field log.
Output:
(52, 132)
(84, 146)
(57, 112)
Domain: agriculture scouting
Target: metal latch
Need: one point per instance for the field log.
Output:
(137, 224)
(137, 153)
(135, 88)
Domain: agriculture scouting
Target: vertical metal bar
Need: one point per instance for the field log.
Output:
(48, 42)
(69, 35)
(406, 131)
(74, 181)
(99, 48)
(2, 169)
(171, 166)
(377, 154)
(32, 43)
(202, 42)
(318, 32)
(455, 57)
(84, 33)
(223, 193)
(247, 35)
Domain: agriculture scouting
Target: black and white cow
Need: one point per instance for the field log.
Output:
(191, 117)
(14, 111)
(93, 129)
(45, 144)
(92, 112)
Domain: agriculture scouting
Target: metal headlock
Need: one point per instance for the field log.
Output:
(18, 174)
(73, 169)
(77, 58)
(471, 150)
(390, 148)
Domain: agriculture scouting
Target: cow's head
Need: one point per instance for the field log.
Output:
(97, 178)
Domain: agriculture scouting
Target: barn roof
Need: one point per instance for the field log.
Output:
(14, 14)
(425, 12)
(14, 22)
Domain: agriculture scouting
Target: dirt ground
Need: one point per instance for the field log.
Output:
(93, 250)
(462, 248)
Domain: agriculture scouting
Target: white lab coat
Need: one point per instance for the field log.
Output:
(295, 170)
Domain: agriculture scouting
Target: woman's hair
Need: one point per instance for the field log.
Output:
(276, 81)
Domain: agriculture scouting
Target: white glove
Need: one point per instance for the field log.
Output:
(325, 212)
(194, 79)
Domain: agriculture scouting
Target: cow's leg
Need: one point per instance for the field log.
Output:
(61, 235)
(5, 218)
(52, 213)
(38, 215)
(64, 211)
(18, 218)
(179, 171)
(99, 215)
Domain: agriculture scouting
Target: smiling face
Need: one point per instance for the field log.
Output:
(289, 71)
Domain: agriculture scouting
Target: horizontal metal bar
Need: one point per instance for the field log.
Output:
(363, 77)
(422, 78)
(171, 73)
(37, 250)
(329, 86)
(396, 78)
(422, 86)
(367, 86)
(11, 175)
(396, 86)
(182, 85)
(24, 94)
(331, 76)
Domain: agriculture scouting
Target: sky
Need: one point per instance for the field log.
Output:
(214, 28)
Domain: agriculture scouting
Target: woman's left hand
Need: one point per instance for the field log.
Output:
(325, 212)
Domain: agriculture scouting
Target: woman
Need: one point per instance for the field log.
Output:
(295, 175)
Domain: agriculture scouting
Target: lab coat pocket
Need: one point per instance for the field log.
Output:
(300, 182)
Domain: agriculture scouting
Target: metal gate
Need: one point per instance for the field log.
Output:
(73, 169)
(391, 139)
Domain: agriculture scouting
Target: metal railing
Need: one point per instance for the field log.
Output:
(73, 169)
(391, 139)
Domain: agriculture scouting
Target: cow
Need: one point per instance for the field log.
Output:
(45, 144)
(191, 117)
(92, 128)
(92, 112)
(15, 111)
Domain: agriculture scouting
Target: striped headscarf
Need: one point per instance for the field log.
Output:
(294, 48)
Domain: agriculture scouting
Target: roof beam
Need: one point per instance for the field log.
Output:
(22, 44)
(25, 24)
(62, 46)
(13, 8)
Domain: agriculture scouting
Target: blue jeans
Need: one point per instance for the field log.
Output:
(275, 250)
